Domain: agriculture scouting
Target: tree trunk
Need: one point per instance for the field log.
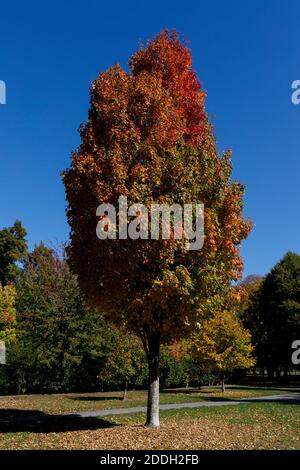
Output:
(153, 388)
(223, 381)
(125, 391)
(263, 375)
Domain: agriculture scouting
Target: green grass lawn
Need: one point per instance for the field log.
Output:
(72, 402)
(246, 426)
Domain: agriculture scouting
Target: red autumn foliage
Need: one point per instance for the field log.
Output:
(167, 58)
(5, 317)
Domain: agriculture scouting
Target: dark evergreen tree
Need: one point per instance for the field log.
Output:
(13, 249)
(273, 315)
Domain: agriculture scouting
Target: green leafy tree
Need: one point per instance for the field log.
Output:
(273, 315)
(13, 249)
(125, 362)
(60, 342)
(223, 345)
(179, 367)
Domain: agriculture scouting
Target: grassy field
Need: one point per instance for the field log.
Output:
(249, 426)
(72, 402)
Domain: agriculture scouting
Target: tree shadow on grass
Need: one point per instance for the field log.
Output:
(88, 398)
(238, 389)
(187, 391)
(35, 421)
(272, 388)
(276, 400)
(194, 391)
(221, 399)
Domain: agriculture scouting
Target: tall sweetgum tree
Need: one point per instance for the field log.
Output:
(148, 138)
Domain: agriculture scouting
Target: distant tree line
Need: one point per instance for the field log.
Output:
(271, 312)
(55, 343)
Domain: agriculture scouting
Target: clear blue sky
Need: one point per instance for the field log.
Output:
(246, 53)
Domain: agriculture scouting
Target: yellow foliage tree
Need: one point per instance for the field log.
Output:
(124, 359)
(223, 344)
(7, 313)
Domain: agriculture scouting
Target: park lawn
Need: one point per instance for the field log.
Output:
(73, 402)
(246, 426)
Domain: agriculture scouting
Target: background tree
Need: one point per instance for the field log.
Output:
(125, 362)
(250, 315)
(222, 344)
(273, 315)
(148, 138)
(60, 343)
(13, 249)
(177, 367)
(248, 287)
(7, 314)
